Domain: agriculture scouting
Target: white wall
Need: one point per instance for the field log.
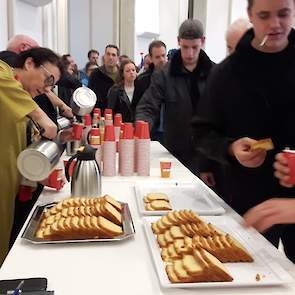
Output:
(172, 14)
(161, 18)
(90, 26)
(79, 30)
(145, 11)
(147, 16)
(101, 24)
(28, 21)
(239, 9)
(3, 24)
(216, 26)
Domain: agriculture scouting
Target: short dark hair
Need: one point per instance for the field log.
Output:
(39, 55)
(156, 44)
(92, 51)
(250, 3)
(191, 29)
(113, 46)
(89, 64)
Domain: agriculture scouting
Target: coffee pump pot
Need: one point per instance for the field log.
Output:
(86, 177)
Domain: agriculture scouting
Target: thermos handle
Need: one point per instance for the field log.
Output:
(68, 166)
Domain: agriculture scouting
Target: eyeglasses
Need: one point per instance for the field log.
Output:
(49, 80)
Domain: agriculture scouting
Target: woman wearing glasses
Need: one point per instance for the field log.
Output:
(36, 71)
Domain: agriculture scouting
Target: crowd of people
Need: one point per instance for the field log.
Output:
(208, 116)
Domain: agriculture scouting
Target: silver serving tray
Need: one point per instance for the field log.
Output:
(32, 226)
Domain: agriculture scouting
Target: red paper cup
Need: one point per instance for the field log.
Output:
(127, 131)
(77, 131)
(109, 133)
(87, 120)
(71, 168)
(144, 131)
(137, 128)
(290, 155)
(118, 120)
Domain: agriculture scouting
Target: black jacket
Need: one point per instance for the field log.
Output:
(141, 84)
(250, 94)
(67, 84)
(100, 83)
(172, 87)
(119, 102)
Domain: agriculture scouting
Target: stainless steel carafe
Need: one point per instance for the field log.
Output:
(86, 178)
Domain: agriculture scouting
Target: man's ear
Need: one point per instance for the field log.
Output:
(203, 40)
(178, 41)
(29, 63)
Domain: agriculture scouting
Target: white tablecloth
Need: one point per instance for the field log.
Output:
(124, 267)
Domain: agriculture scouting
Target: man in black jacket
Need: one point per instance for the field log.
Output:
(104, 77)
(158, 56)
(250, 96)
(179, 86)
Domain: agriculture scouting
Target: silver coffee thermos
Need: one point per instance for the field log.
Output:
(86, 178)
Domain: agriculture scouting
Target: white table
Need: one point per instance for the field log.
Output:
(124, 267)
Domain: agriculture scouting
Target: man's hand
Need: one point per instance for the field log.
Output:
(282, 171)
(241, 149)
(208, 178)
(271, 212)
(65, 135)
(66, 111)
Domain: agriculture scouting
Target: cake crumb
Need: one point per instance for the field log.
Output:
(258, 277)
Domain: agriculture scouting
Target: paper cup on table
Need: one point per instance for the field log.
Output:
(165, 166)
(290, 155)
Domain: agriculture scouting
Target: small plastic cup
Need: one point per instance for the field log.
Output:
(165, 166)
(290, 155)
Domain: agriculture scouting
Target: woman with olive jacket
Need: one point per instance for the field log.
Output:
(121, 94)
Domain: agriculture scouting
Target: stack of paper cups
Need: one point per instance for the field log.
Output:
(143, 150)
(136, 134)
(94, 141)
(126, 154)
(109, 152)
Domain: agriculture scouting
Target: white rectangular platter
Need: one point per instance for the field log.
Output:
(194, 196)
(244, 274)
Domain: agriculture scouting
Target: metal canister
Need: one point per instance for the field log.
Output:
(72, 147)
(83, 101)
(63, 123)
(38, 160)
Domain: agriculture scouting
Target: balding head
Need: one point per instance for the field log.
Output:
(234, 33)
(20, 43)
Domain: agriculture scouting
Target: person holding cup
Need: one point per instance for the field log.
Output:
(249, 98)
(276, 210)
